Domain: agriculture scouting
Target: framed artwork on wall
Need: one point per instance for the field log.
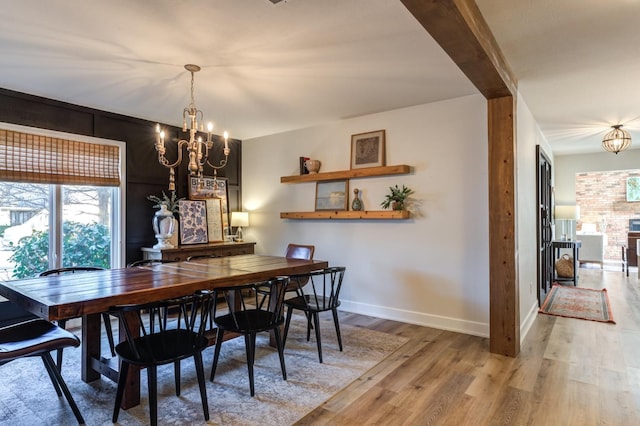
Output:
(332, 195)
(633, 188)
(206, 188)
(193, 222)
(368, 149)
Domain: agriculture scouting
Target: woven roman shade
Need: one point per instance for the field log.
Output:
(43, 159)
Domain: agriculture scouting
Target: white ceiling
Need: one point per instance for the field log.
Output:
(265, 68)
(577, 62)
(270, 68)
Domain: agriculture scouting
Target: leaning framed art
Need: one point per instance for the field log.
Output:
(206, 188)
(368, 149)
(332, 195)
(214, 220)
(193, 222)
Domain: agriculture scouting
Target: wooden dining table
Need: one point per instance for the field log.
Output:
(88, 295)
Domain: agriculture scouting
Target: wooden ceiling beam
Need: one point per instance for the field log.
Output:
(461, 31)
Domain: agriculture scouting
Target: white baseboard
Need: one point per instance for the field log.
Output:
(417, 318)
(435, 321)
(525, 326)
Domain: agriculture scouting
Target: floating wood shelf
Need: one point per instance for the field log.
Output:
(402, 169)
(371, 214)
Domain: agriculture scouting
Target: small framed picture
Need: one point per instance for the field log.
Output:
(367, 149)
(214, 220)
(193, 222)
(332, 195)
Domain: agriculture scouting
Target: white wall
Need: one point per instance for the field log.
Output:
(528, 135)
(566, 167)
(431, 270)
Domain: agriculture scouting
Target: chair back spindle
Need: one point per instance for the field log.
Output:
(180, 321)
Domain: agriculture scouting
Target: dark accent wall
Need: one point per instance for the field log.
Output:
(144, 175)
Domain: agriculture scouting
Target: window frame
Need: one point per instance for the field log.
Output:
(118, 213)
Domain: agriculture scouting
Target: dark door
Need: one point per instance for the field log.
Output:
(544, 228)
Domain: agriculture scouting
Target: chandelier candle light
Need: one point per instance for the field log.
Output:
(197, 148)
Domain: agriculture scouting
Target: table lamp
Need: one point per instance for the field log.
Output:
(239, 219)
(567, 214)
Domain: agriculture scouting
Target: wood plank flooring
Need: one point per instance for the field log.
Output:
(569, 372)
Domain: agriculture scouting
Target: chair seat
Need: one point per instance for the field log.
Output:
(252, 320)
(173, 345)
(33, 337)
(38, 337)
(312, 303)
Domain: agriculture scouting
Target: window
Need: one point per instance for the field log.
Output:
(63, 211)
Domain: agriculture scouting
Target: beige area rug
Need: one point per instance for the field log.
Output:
(28, 398)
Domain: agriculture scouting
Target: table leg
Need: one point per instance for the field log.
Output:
(93, 365)
(576, 265)
(90, 346)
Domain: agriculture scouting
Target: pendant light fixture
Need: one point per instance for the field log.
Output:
(197, 149)
(616, 140)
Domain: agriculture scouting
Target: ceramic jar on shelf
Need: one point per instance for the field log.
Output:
(313, 166)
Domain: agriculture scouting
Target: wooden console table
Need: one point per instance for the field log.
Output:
(574, 246)
(183, 252)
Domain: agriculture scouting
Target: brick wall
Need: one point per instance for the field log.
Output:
(602, 197)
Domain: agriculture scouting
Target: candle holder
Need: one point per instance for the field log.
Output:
(197, 148)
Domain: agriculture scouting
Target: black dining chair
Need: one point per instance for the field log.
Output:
(294, 251)
(148, 262)
(63, 323)
(247, 314)
(162, 333)
(202, 256)
(321, 294)
(37, 337)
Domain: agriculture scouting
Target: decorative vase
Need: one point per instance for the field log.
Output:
(313, 166)
(163, 226)
(356, 205)
(397, 205)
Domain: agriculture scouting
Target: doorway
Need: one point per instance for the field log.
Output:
(544, 194)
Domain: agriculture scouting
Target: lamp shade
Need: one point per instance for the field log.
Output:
(616, 140)
(567, 212)
(239, 219)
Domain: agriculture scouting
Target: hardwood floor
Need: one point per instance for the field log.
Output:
(569, 372)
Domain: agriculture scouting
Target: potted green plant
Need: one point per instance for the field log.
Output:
(171, 203)
(165, 224)
(396, 198)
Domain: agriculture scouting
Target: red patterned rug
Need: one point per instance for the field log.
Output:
(576, 302)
